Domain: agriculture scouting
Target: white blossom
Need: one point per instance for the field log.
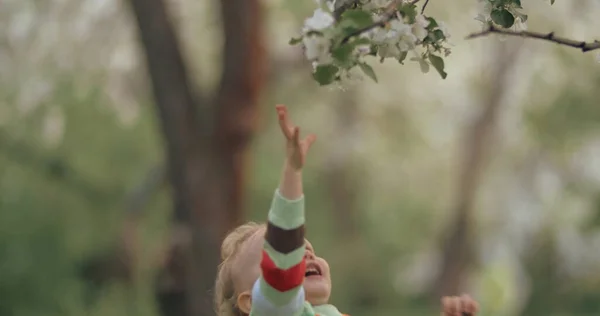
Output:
(379, 35)
(484, 11)
(520, 25)
(406, 39)
(395, 40)
(419, 27)
(316, 48)
(402, 33)
(363, 49)
(407, 42)
(319, 21)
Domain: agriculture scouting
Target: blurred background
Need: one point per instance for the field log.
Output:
(135, 134)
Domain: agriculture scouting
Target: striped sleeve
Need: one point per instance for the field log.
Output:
(279, 290)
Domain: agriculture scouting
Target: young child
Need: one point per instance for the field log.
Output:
(270, 269)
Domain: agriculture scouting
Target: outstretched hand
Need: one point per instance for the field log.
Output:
(296, 148)
(459, 306)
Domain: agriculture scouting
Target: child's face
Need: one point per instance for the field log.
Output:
(317, 283)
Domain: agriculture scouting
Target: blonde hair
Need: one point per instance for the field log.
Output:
(225, 296)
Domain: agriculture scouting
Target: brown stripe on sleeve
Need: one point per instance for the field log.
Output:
(284, 241)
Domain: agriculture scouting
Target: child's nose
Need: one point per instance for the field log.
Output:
(308, 255)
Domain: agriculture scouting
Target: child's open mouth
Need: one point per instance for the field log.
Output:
(312, 270)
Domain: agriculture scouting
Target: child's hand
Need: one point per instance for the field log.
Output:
(459, 306)
(296, 148)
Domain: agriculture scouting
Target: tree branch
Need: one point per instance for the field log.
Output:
(424, 6)
(584, 46)
(194, 172)
(237, 99)
(388, 15)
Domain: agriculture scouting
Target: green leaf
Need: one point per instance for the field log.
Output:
(359, 18)
(295, 41)
(368, 70)
(503, 18)
(325, 74)
(436, 36)
(402, 57)
(343, 54)
(408, 11)
(361, 41)
(438, 63)
(432, 23)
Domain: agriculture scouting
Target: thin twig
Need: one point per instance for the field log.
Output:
(389, 14)
(365, 29)
(424, 6)
(584, 46)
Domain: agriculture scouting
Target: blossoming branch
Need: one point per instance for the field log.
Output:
(342, 33)
(383, 28)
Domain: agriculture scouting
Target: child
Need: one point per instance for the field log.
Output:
(270, 269)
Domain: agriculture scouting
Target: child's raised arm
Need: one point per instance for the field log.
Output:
(279, 291)
(290, 186)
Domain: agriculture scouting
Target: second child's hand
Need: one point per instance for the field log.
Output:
(459, 306)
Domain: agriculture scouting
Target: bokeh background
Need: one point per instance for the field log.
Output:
(487, 182)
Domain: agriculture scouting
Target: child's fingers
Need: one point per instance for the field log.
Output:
(309, 140)
(284, 129)
(452, 306)
(465, 303)
(456, 306)
(448, 306)
(296, 137)
(469, 305)
(284, 123)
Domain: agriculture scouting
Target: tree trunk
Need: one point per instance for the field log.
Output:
(206, 161)
(237, 100)
(189, 155)
(458, 245)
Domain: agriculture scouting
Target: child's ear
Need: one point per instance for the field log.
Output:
(244, 302)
